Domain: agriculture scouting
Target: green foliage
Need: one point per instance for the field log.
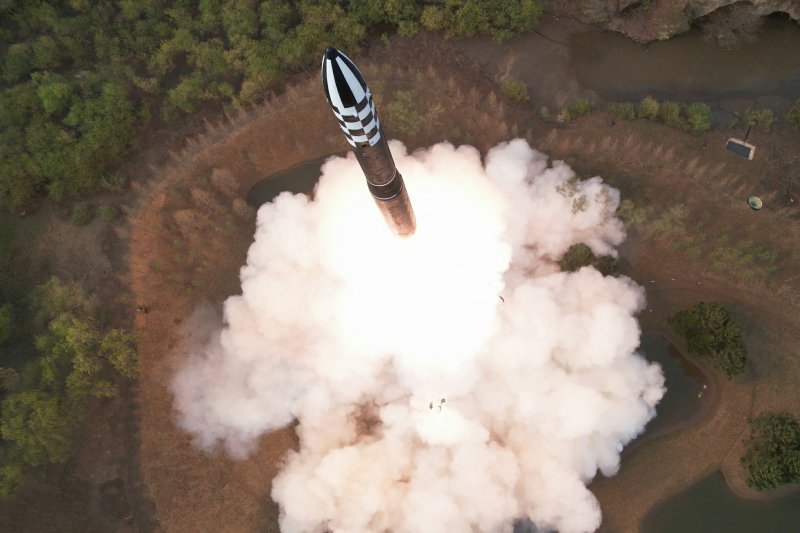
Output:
(11, 479)
(544, 113)
(648, 108)
(580, 255)
(83, 214)
(18, 62)
(38, 426)
(107, 212)
(497, 18)
(403, 114)
(82, 77)
(6, 322)
(77, 361)
(670, 113)
(698, 117)
(515, 90)
(54, 297)
(55, 96)
(630, 214)
(773, 457)
(573, 110)
(711, 332)
(624, 110)
(793, 116)
(759, 119)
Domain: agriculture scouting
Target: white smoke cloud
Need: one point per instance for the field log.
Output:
(424, 401)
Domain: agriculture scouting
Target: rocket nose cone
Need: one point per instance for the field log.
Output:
(330, 53)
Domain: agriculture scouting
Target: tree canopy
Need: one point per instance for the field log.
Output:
(80, 80)
(710, 332)
(76, 360)
(580, 255)
(773, 457)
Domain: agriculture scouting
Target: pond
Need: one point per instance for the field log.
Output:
(688, 394)
(300, 178)
(689, 67)
(710, 505)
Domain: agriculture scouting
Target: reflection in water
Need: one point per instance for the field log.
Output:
(688, 67)
(710, 505)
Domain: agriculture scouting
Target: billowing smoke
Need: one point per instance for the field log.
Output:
(454, 381)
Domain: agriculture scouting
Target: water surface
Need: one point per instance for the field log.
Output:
(711, 506)
(687, 393)
(689, 67)
(301, 178)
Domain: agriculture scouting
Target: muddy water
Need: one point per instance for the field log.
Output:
(564, 60)
(687, 393)
(300, 178)
(710, 505)
(689, 67)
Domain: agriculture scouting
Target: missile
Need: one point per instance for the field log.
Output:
(351, 102)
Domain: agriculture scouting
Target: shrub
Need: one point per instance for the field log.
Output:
(759, 119)
(710, 332)
(82, 214)
(793, 116)
(580, 255)
(670, 113)
(107, 212)
(624, 110)
(6, 322)
(515, 90)
(648, 108)
(773, 457)
(698, 117)
(544, 113)
(573, 110)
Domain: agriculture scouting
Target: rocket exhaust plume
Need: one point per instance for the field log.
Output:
(351, 102)
(543, 388)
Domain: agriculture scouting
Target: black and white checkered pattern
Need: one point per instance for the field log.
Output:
(350, 100)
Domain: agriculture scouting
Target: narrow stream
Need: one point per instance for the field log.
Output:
(689, 67)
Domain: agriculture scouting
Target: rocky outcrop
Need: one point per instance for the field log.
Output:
(651, 20)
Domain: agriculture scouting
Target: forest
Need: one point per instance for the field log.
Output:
(83, 82)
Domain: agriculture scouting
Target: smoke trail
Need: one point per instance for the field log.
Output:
(426, 402)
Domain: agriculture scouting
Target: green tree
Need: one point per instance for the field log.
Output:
(515, 89)
(47, 53)
(37, 425)
(793, 116)
(580, 255)
(710, 332)
(624, 110)
(648, 108)
(6, 322)
(773, 455)
(670, 113)
(759, 119)
(55, 96)
(18, 62)
(118, 348)
(698, 117)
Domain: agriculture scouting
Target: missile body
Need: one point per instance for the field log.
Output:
(351, 102)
